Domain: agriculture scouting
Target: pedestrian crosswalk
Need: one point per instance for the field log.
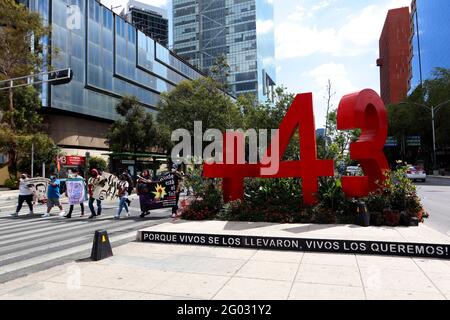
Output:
(30, 243)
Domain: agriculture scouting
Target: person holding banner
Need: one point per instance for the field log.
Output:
(25, 195)
(53, 195)
(94, 181)
(142, 189)
(177, 179)
(75, 175)
(123, 196)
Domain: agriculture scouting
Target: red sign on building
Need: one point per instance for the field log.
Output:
(72, 160)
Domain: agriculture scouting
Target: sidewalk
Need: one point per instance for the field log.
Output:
(169, 271)
(439, 177)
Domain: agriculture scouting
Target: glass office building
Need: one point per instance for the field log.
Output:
(240, 29)
(430, 41)
(110, 58)
(152, 21)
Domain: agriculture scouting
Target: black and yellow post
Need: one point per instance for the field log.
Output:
(101, 248)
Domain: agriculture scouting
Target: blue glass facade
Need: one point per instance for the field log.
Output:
(240, 29)
(431, 38)
(109, 57)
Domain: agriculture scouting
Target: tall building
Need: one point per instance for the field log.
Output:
(430, 39)
(110, 58)
(395, 54)
(152, 21)
(242, 30)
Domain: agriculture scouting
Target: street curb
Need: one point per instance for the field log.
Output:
(440, 177)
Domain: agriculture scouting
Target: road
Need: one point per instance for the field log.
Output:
(435, 196)
(32, 243)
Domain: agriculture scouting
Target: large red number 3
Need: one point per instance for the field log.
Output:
(366, 111)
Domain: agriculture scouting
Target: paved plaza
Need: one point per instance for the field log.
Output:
(169, 271)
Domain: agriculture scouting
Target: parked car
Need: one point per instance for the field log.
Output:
(416, 173)
(354, 171)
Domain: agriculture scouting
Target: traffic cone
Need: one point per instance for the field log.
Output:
(101, 248)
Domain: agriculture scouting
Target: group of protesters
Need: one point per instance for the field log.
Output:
(125, 187)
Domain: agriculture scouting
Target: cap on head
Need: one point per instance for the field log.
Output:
(94, 173)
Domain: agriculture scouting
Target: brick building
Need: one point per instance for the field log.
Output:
(395, 55)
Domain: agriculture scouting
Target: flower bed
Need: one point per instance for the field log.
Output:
(280, 201)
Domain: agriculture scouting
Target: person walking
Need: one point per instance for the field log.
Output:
(94, 181)
(123, 196)
(53, 195)
(75, 175)
(177, 179)
(129, 179)
(142, 190)
(25, 195)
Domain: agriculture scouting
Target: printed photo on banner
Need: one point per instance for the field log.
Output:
(106, 187)
(76, 190)
(40, 188)
(157, 195)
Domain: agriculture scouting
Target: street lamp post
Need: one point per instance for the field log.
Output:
(434, 110)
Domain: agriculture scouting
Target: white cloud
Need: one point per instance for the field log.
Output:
(294, 40)
(299, 36)
(318, 81)
(264, 26)
(268, 62)
(336, 72)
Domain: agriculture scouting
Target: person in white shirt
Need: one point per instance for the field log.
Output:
(25, 195)
(123, 196)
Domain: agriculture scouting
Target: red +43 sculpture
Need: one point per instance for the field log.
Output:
(363, 110)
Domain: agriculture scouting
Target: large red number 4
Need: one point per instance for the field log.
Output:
(366, 111)
(300, 115)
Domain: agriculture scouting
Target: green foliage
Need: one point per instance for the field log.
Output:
(286, 193)
(25, 114)
(20, 27)
(198, 210)
(12, 183)
(198, 100)
(18, 148)
(207, 191)
(409, 119)
(377, 202)
(136, 131)
(98, 163)
(45, 151)
(220, 70)
(398, 188)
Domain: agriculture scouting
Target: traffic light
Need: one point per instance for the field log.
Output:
(60, 77)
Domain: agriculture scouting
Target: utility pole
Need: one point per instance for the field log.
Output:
(32, 159)
(434, 110)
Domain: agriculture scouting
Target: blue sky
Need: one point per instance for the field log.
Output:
(317, 40)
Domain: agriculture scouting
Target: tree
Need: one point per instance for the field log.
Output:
(329, 105)
(97, 163)
(16, 143)
(136, 130)
(198, 100)
(408, 119)
(220, 70)
(23, 38)
(21, 35)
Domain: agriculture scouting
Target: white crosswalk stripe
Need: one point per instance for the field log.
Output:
(30, 243)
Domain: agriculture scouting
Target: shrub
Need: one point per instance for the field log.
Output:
(98, 163)
(198, 210)
(12, 183)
